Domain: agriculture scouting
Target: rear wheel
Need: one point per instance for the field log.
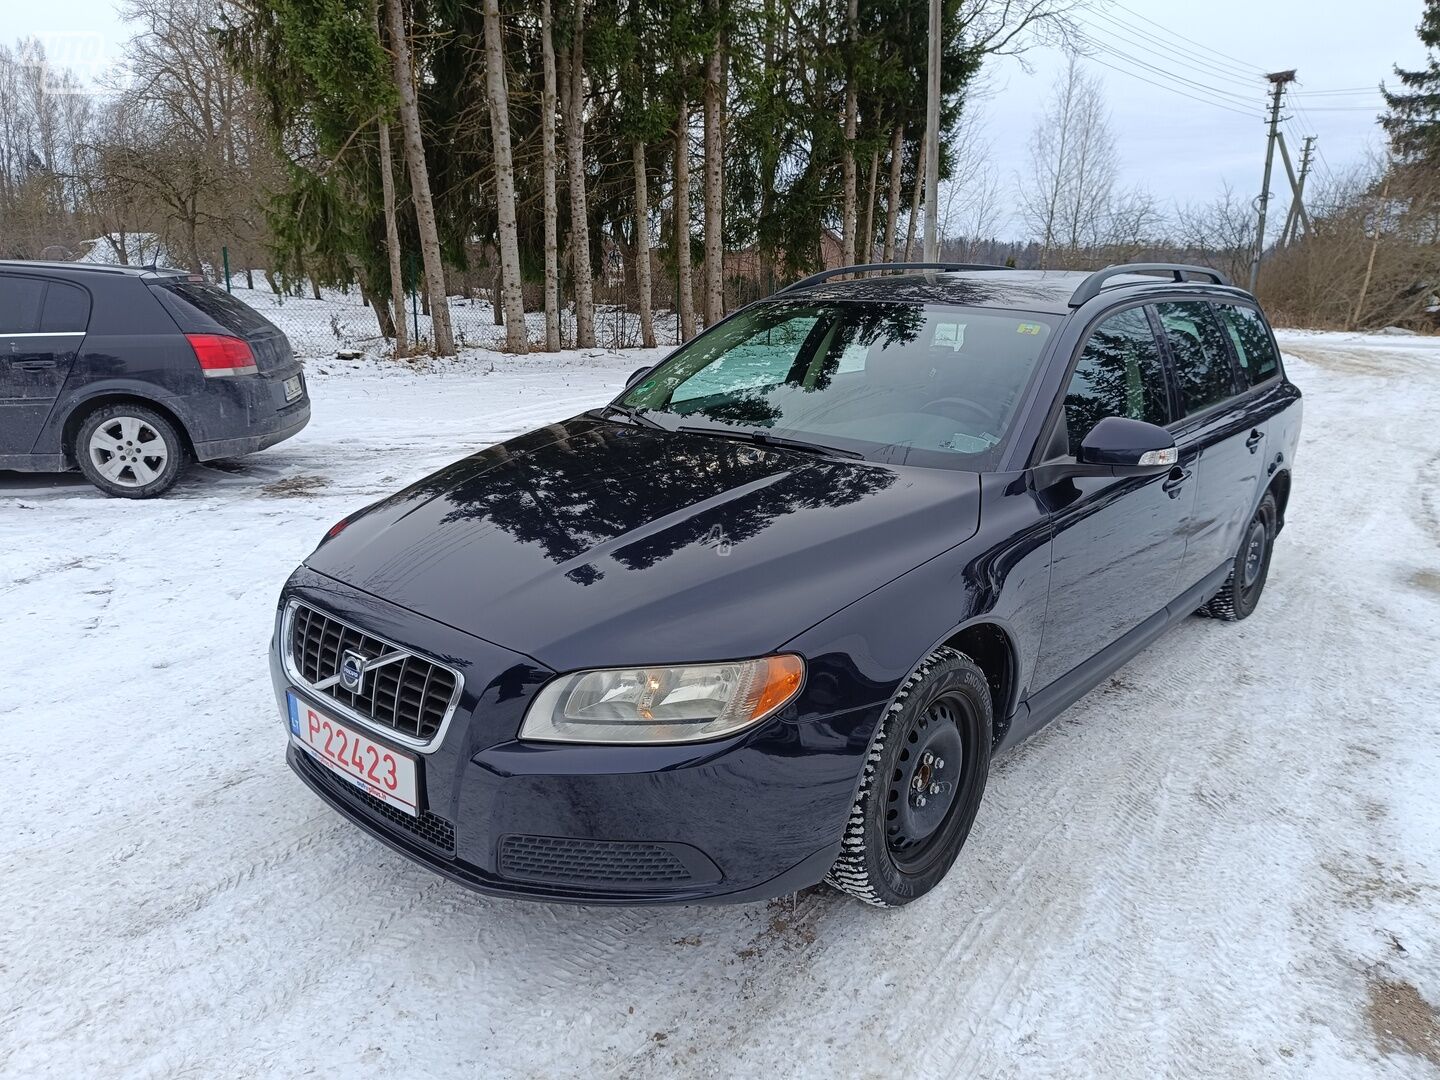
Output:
(129, 451)
(924, 775)
(1241, 591)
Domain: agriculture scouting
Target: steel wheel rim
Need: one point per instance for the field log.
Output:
(128, 452)
(1254, 554)
(923, 795)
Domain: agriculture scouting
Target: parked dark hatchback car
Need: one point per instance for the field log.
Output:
(766, 618)
(129, 372)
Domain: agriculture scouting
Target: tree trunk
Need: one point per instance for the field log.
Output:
(642, 247)
(392, 242)
(915, 202)
(892, 191)
(444, 340)
(714, 175)
(573, 78)
(847, 162)
(392, 229)
(685, 281)
(547, 138)
(867, 234)
(315, 288)
(516, 339)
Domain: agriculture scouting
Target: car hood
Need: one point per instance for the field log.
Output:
(592, 543)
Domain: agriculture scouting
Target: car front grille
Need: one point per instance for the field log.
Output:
(431, 828)
(590, 862)
(408, 695)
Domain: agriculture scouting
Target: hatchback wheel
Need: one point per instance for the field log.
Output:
(1241, 591)
(129, 451)
(924, 775)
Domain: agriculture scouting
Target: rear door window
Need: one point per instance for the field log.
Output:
(1121, 373)
(1254, 347)
(199, 307)
(1202, 359)
(67, 309)
(20, 302)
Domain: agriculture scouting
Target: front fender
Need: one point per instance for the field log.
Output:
(999, 577)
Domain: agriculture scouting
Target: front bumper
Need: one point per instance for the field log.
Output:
(742, 819)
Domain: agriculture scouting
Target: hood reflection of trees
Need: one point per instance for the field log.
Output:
(599, 481)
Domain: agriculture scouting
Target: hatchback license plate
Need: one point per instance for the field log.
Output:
(293, 388)
(386, 774)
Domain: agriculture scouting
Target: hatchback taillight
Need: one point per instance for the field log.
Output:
(222, 355)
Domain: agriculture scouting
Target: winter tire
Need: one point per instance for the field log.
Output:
(1240, 594)
(129, 451)
(923, 778)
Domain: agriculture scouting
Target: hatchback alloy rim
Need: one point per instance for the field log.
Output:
(1254, 553)
(925, 784)
(128, 451)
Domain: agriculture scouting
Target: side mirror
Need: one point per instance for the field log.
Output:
(1129, 447)
(636, 375)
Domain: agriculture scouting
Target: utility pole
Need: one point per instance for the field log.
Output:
(1279, 80)
(1291, 233)
(932, 139)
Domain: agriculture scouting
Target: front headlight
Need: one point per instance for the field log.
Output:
(681, 704)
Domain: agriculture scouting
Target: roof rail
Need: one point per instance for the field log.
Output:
(825, 275)
(1091, 286)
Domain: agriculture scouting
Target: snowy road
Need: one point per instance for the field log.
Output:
(1223, 862)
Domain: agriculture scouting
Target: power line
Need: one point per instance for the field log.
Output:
(1182, 55)
(1336, 93)
(1173, 89)
(1245, 65)
(1236, 98)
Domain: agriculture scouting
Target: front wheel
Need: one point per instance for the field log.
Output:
(129, 451)
(1240, 594)
(924, 774)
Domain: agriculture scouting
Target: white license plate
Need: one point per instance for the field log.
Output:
(292, 387)
(386, 774)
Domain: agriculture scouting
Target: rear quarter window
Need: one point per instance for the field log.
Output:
(199, 307)
(20, 301)
(67, 309)
(1254, 347)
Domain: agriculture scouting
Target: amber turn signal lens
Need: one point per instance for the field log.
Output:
(781, 682)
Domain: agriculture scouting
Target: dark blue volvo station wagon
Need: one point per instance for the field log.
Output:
(765, 619)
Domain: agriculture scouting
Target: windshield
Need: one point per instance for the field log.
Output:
(916, 384)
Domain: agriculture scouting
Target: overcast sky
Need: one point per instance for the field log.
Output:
(1182, 148)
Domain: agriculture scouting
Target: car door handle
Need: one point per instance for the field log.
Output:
(35, 365)
(1253, 442)
(1175, 481)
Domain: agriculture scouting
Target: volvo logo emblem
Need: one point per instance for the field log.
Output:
(352, 671)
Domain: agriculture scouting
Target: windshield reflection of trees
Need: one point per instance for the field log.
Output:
(860, 326)
(599, 481)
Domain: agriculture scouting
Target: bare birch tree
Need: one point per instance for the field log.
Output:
(547, 139)
(714, 104)
(848, 213)
(498, 94)
(573, 94)
(892, 190)
(685, 282)
(444, 339)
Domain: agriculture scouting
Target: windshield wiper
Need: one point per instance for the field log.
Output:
(764, 438)
(632, 413)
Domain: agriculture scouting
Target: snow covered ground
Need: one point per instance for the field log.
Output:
(1224, 862)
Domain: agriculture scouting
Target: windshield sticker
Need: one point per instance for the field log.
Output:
(1028, 328)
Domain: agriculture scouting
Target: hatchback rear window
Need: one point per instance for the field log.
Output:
(199, 307)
